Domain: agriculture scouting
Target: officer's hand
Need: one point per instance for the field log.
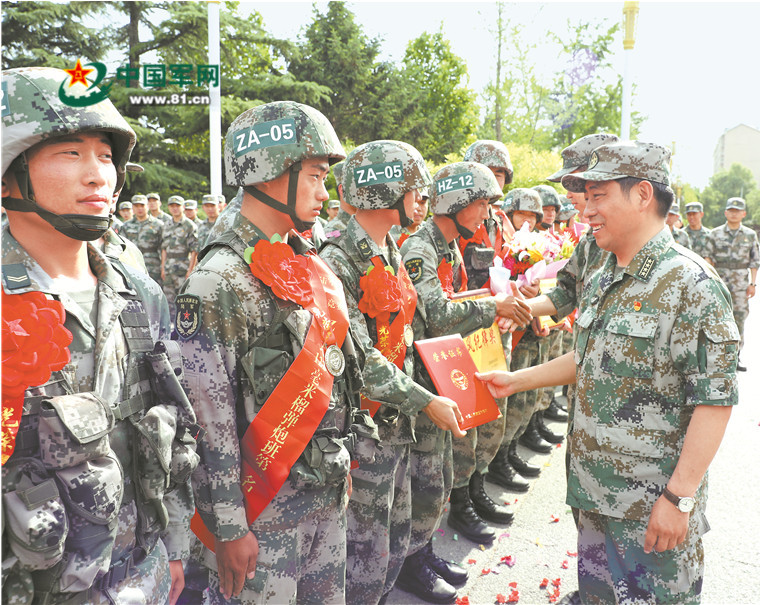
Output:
(236, 561)
(667, 527)
(513, 307)
(499, 383)
(178, 580)
(445, 414)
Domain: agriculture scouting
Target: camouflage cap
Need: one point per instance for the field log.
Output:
(578, 154)
(222, 199)
(176, 199)
(265, 141)
(191, 204)
(338, 172)
(493, 154)
(675, 208)
(646, 161)
(125, 205)
(34, 112)
(549, 196)
(333, 204)
(458, 185)
(737, 203)
(210, 199)
(694, 207)
(379, 173)
(566, 212)
(526, 200)
(153, 196)
(139, 199)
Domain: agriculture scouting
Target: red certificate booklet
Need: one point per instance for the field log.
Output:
(453, 372)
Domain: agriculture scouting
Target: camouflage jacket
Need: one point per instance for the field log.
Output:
(246, 340)
(99, 356)
(338, 223)
(383, 381)
(681, 237)
(146, 235)
(164, 217)
(654, 340)
(179, 239)
(586, 258)
(120, 248)
(203, 232)
(731, 252)
(225, 219)
(698, 240)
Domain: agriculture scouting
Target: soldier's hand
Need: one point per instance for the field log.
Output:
(505, 325)
(177, 573)
(539, 330)
(236, 561)
(751, 290)
(667, 527)
(513, 307)
(499, 383)
(531, 290)
(163, 274)
(445, 414)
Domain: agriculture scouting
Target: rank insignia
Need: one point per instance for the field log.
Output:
(364, 248)
(15, 276)
(414, 269)
(646, 268)
(188, 319)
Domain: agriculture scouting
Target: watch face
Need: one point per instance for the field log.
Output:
(686, 505)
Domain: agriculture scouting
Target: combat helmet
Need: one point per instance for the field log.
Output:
(379, 174)
(526, 200)
(458, 185)
(493, 154)
(34, 112)
(266, 141)
(567, 211)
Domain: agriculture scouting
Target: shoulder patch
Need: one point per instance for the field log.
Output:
(414, 269)
(364, 248)
(188, 319)
(15, 276)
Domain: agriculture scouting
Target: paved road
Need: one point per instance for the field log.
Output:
(541, 541)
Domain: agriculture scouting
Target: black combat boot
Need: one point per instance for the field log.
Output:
(486, 508)
(555, 411)
(464, 519)
(545, 432)
(454, 574)
(532, 440)
(501, 473)
(521, 466)
(419, 578)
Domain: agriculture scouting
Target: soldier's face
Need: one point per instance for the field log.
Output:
(420, 211)
(473, 215)
(211, 210)
(734, 217)
(332, 213)
(520, 217)
(73, 174)
(191, 213)
(411, 200)
(153, 205)
(311, 194)
(694, 219)
(175, 210)
(578, 200)
(550, 213)
(141, 211)
(671, 219)
(500, 174)
(125, 214)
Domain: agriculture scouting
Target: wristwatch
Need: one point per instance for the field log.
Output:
(685, 505)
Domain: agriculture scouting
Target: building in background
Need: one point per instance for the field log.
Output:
(738, 145)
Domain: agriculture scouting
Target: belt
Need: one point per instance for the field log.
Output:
(729, 265)
(178, 255)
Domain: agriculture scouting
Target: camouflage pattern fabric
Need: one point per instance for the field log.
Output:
(120, 248)
(698, 239)
(659, 329)
(613, 567)
(526, 200)
(203, 231)
(149, 581)
(555, 349)
(147, 236)
(245, 342)
(733, 254)
(493, 154)
(379, 511)
(179, 240)
(397, 231)
(520, 406)
(338, 223)
(681, 237)
(164, 217)
(226, 217)
(578, 154)
(460, 184)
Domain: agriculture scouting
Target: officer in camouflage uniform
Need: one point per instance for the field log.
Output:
(696, 231)
(154, 209)
(379, 512)
(241, 333)
(87, 512)
(146, 232)
(732, 248)
(679, 235)
(458, 212)
(211, 208)
(655, 362)
(178, 252)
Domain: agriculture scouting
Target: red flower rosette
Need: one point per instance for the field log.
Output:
(287, 273)
(35, 345)
(446, 275)
(381, 291)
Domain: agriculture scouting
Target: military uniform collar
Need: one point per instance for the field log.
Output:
(249, 234)
(646, 259)
(442, 248)
(343, 216)
(365, 246)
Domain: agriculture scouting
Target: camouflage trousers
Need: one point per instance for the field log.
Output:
(552, 349)
(175, 272)
(520, 406)
(431, 481)
(613, 567)
(741, 307)
(302, 564)
(379, 524)
(475, 451)
(153, 264)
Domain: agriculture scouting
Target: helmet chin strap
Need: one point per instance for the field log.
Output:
(289, 208)
(465, 233)
(403, 219)
(546, 225)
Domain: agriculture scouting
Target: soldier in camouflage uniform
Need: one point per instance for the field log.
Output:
(154, 209)
(655, 362)
(379, 512)
(243, 324)
(191, 212)
(179, 247)
(696, 231)
(337, 225)
(146, 232)
(679, 235)
(211, 208)
(332, 208)
(459, 207)
(732, 248)
(87, 512)
(125, 211)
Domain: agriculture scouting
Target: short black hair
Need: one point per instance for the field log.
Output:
(664, 195)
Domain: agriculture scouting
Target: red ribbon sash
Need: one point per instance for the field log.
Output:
(288, 419)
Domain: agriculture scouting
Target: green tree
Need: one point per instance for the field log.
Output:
(737, 181)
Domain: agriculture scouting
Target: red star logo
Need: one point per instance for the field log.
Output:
(186, 315)
(78, 74)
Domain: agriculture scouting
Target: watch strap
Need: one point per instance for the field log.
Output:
(671, 497)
